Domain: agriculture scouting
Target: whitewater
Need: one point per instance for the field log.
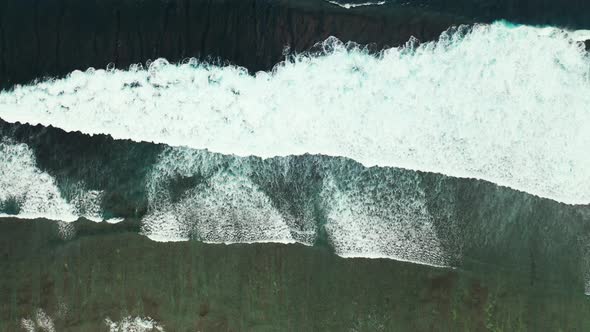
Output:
(500, 102)
(355, 5)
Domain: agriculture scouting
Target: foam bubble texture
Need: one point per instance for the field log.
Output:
(497, 102)
(133, 324)
(41, 322)
(398, 225)
(221, 199)
(28, 192)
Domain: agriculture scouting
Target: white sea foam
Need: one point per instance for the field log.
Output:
(35, 192)
(397, 225)
(226, 208)
(40, 322)
(504, 103)
(114, 220)
(355, 5)
(134, 324)
(365, 216)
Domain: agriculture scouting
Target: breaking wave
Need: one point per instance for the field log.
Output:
(497, 102)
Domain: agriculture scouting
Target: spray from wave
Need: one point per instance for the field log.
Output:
(497, 102)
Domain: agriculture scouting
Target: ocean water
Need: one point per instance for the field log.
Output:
(370, 155)
(181, 194)
(437, 184)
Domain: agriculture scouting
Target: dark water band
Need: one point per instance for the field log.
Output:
(54, 37)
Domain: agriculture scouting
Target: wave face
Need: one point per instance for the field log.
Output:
(497, 102)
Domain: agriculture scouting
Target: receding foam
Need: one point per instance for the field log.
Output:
(35, 194)
(225, 208)
(396, 225)
(40, 322)
(222, 202)
(134, 324)
(504, 103)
